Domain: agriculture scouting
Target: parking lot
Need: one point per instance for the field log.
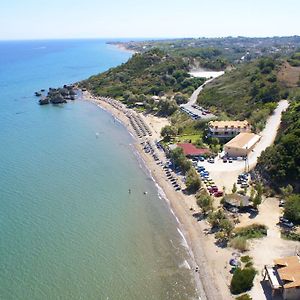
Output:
(196, 112)
(224, 174)
(192, 109)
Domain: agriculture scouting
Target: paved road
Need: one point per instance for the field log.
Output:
(188, 107)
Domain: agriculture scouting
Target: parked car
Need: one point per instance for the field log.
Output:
(211, 160)
(281, 203)
(224, 159)
(285, 222)
(230, 160)
(244, 185)
(218, 194)
(213, 188)
(201, 158)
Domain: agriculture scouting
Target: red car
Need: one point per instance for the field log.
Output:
(213, 189)
(218, 194)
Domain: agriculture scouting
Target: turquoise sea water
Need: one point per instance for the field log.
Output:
(68, 227)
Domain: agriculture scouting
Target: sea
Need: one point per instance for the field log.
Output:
(69, 228)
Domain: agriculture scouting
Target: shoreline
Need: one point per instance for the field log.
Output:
(123, 48)
(209, 281)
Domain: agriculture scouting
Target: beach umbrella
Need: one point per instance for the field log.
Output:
(234, 262)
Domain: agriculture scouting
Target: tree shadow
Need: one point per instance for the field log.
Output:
(252, 213)
(198, 216)
(221, 243)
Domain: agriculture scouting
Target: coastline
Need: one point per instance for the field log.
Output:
(211, 281)
(123, 48)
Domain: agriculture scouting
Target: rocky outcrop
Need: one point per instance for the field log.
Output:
(57, 99)
(43, 101)
(57, 96)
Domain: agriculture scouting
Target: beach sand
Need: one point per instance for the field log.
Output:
(213, 277)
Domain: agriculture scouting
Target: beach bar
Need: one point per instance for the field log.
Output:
(284, 277)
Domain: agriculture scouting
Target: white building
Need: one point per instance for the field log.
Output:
(242, 144)
(228, 129)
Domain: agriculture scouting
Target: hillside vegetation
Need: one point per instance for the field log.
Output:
(148, 74)
(280, 163)
(248, 92)
(294, 60)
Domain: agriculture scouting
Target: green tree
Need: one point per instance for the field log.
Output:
(286, 191)
(205, 202)
(180, 98)
(167, 132)
(257, 200)
(234, 188)
(192, 182)
(215, 218)
(252, 194)
(259, 188)
(167, 107)
(292, 208)
(226, 226)
(180, 160)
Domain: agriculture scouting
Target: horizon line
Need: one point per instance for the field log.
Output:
(143, 38)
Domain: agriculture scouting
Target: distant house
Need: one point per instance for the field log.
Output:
(241, 145)
(284, 277)
(228, 129)
(190, 150)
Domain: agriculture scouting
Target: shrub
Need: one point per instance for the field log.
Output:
(239, 243)
(246, 259)
(215, 218)
(249, 264)
(244, 297)
(293, 236)
(252, 231)
(242, 280)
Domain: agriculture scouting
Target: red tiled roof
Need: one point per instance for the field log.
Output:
(190, 149)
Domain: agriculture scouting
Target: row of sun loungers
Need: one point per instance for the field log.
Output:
(172, 179)
(139, 126)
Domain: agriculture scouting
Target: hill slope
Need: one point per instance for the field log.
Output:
(280, 163)
(143, 76)
(247, 92)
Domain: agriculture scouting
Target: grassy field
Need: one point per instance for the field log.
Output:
(193, 138)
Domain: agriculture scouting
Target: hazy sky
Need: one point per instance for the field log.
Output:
(35, 19)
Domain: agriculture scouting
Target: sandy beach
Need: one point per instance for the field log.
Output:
(123, 48)
(212, 279)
